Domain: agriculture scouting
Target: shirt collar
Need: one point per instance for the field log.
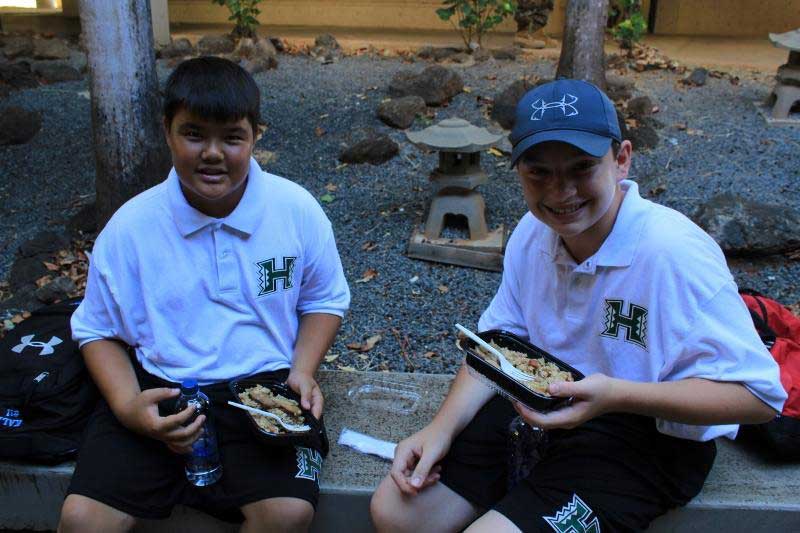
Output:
(244, 219)
(619, 247)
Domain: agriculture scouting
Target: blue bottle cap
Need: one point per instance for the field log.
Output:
(189, 386)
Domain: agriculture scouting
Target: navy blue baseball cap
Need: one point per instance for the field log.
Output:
(570, 111)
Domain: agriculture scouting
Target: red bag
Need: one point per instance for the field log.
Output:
(779, 328)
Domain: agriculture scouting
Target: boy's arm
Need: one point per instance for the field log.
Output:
(111, 369)
(314, 338)
(415, 458)
(686, 401)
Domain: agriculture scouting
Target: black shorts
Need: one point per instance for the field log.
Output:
(143, 478)
(613, 473)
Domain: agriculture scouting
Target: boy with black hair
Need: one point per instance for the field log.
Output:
(219, 272)
(632, 294)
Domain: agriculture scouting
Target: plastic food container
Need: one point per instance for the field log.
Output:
(505, 384)
(314, 437)
(386, 395)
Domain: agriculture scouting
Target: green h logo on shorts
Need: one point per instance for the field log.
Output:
(635, 322)
(268, 275)
(574, 518)
(309, 463)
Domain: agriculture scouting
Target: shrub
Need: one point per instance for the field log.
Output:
(243, 15)
(473, 18)
(630, 24)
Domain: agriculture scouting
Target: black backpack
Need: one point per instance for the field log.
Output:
(46, 394)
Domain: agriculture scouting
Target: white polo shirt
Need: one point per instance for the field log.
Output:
(206, 298)
(655, 303)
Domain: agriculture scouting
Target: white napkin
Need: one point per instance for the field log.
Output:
(366, 444)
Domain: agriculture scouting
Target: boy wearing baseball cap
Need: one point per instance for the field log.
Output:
(632, 294)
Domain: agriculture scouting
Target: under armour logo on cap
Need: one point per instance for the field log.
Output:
(47, 347)
(540, 106)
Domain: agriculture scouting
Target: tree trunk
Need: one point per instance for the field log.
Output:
(130, 152)
(582, 55)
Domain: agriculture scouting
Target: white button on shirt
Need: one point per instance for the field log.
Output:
(655, 303)
(212, 299)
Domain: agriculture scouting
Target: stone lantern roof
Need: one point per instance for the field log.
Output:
(454, 135)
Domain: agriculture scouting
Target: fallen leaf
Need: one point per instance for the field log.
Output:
(491, 77)
(495, 152)
(340, 167)
(366, 346)
(264, 156)
(429, 354)
(44, 280)
(326, 115)
(467, 89)
(368, 275)
(319, 132)
(414, 279)
(346, 368)
(331, 187)
(690, 131)
(84, 94)
(26, 314)
(327, 198)
(658, 189)
(331, 358)
(369, 246)
(51, 267)
(443, 289)
(16, 319)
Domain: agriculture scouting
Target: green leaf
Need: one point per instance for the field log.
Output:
(445, 13)
(327, 198)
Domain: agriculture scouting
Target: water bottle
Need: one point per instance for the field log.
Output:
(202, 463)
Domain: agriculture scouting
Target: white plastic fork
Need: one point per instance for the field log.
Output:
(505, 364)
(286, 425)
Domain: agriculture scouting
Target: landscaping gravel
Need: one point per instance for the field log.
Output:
(313, 111)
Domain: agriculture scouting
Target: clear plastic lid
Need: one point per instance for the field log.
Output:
(386, 395)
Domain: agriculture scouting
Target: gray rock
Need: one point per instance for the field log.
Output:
(509, 53)
(327, 40)
(177, 48)
(216, 44)
(18, 46)
(436, 84)
(698, 77)
(18, 75)
(640, 107)
(44, 242)
(531, 44)
(55, 71)
(258, 64)
(326, 49)
(246, 48)
(50, 49)
(58, 289)
(375, 151)
(26, 270)
(18, 126)
(743, 227)
(83, 222)
(401, 112)
(505, 103)
(438, 53)
(618, 87)
(278, 44)
(481, 54)
(265, 48)
(643, 137)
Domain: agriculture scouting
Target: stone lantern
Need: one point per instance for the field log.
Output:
(453, 186)
(786, 93)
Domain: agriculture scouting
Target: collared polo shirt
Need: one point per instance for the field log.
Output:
(655, 303)
(206, 298)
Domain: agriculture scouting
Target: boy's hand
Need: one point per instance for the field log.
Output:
(141, 415)
(310, 394)
(591, 397)
(415, 460)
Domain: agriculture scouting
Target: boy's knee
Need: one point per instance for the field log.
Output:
(82, 514)
(385, 507)
(280, 514)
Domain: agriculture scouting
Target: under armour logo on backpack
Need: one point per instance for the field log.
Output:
(47, 347)
(569, 110)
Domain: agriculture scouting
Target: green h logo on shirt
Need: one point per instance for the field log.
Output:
(635, 322)
(268, 275)
(574, 518)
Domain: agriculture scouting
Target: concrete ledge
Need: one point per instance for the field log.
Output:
(743, 492)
